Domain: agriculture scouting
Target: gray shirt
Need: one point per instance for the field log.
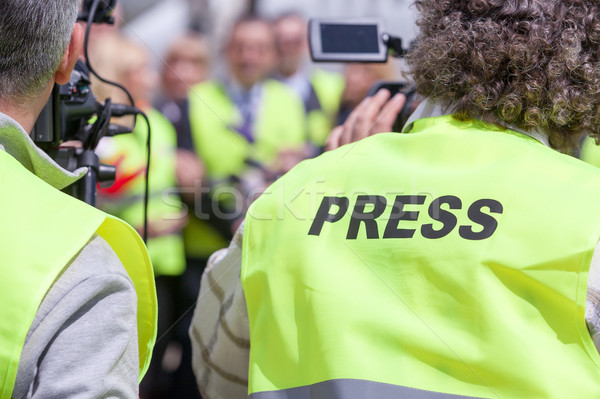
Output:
(83, 340)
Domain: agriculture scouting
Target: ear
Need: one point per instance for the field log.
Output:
(63, 73)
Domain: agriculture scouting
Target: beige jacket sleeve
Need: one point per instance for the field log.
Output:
(219, 332)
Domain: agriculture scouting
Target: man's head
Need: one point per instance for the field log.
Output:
(532, 64)
(250, 50)
(187, 63)
(34, 35)
(290, 38)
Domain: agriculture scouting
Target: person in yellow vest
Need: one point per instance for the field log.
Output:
(246, 117)
(451, 261)
(78, 314)
(320, 90)
(128, 63)
(242, 126)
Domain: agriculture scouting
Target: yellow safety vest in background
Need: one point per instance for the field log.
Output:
(279, 125)
(42, 230)
(329, 87)
(126, 198)
(448, 262)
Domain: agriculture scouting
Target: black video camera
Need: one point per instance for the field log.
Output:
(360, 40)
(73, 114)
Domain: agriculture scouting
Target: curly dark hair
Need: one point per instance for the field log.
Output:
(533, 64)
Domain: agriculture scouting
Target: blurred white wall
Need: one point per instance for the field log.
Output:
(157, 27)
(399, 15)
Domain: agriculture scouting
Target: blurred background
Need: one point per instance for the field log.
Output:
(158, 22)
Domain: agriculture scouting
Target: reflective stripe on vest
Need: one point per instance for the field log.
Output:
(451, 259)
(34, 256)
(353, 389)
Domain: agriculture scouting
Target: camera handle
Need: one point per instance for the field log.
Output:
(96, 173)
(394, 45)
(73, 158)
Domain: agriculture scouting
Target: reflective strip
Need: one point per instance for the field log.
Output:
(353, 389)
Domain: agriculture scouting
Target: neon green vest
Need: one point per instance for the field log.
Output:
(448, 262)
(328, 87)
(279, 125)
(213, 118)
(129, 153)
(34, 257)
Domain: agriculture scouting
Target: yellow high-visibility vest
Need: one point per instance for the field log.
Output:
(279, 124)
(448, 262)
(42, 230)
(328, 87)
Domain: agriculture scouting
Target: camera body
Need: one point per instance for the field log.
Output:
(66, 114)
(72, 113)
(360, 40)
(347, 40)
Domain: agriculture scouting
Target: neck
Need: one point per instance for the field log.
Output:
(287, 73)
(239, 85)
(26, 111)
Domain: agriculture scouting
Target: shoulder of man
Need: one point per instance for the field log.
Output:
(92, 288)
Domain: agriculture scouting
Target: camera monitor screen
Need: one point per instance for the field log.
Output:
(358, 40)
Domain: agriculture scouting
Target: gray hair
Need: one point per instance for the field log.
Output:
(34, 35)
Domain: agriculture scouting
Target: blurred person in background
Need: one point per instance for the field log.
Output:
(241, 124)
(127, 63)
(187, 63)
(359, 78)
(130, 67)
(320, 90)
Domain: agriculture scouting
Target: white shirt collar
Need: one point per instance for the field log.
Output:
(16, 142)
(430, 109)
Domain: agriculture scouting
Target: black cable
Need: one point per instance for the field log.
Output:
(88, 28)
(147, 188)
(90, 21)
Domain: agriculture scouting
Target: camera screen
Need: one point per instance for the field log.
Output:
(344, 38)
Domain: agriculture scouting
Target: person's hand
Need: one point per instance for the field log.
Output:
(189, 169)
(373, 115)
(163, 227)
(286, 159)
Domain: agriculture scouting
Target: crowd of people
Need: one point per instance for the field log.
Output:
(222, 130)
